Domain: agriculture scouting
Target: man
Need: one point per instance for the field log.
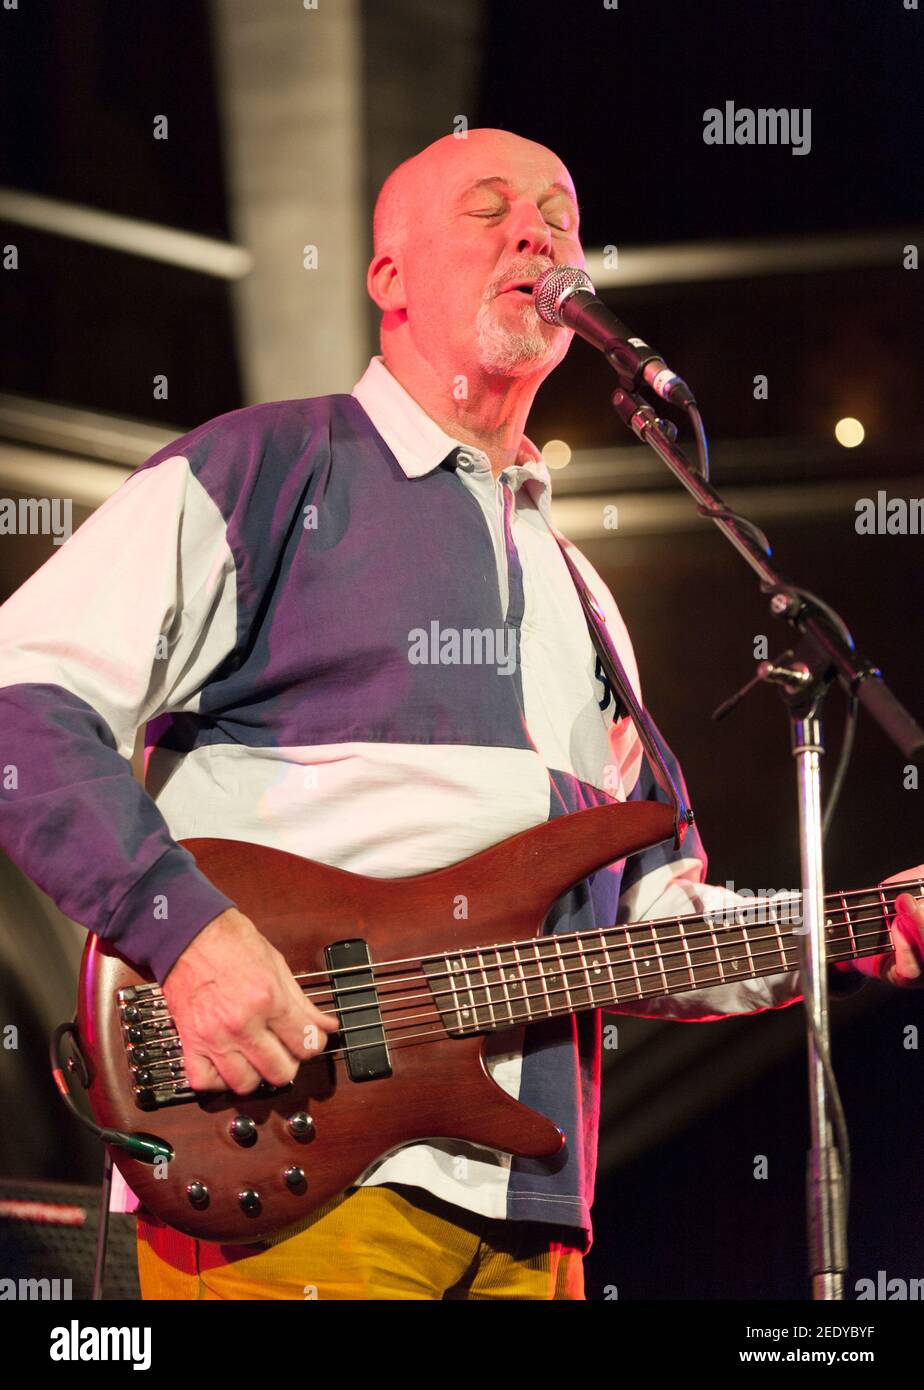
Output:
(256, 594)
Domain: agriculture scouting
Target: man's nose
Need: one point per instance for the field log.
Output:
(532, 234)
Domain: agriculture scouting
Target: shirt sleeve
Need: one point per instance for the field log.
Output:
(126, 620)
(664, 881)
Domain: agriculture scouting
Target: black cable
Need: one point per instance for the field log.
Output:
(850, 728)
(147, 1148)
(102, 1234)
(76, 1063)
(726, 514)
(835, 618)
(702, 443)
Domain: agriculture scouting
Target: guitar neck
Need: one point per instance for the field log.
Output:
(491, 988)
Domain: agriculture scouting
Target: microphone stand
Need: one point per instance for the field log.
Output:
(824, 654)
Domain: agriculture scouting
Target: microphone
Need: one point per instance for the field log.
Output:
(565, 296)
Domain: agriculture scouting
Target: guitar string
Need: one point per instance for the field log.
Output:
(460, 991)
(555, 955)
(440, 1033)
(637, 994)
(530, 1017)
(654, 922)
(421, 979)
(654, 947)
(883, 903)
(876, 896)
(381, 973)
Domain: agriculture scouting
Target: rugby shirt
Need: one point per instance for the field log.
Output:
(255, 594)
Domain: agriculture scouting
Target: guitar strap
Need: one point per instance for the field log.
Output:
(619, 682)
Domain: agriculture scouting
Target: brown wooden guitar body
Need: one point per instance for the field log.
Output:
(439, 1087)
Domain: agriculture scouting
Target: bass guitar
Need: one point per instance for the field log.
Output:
(417, 987)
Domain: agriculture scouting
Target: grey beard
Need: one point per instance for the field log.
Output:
(507, 352)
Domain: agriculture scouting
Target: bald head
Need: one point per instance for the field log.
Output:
(414, 184)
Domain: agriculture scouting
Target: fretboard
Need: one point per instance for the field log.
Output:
(496, 987)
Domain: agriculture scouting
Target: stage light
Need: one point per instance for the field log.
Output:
(557, 453)
(849, 432)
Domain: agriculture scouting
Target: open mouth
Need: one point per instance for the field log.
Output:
(524, 288)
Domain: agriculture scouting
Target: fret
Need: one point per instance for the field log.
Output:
(609, 964)
(599, 990)
(643, 955)
(792, 917)
(501, 970)
(541, 976)
(586, 965)
(492, 1021)
(590, 962)
(853, 942)
(712, 952)
(885, 910)
(456, 965)
(509, 979)
(746, 938)
(501, 984)
(469, 1014)
(779, 937)
(564, 973)
(525, 987)
(683, 938)
(715, 945)
(657, 946)
(863, 940)
(633, 962)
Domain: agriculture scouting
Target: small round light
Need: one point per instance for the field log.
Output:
(849, 432)
(557, 453)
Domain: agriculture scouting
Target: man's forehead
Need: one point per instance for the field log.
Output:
(498, 156)
(548, 179)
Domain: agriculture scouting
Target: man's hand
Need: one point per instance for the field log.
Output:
(241, 1015)
(904, 964)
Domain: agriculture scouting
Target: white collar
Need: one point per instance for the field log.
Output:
(420, 445)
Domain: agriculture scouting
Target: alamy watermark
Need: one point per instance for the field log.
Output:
(41, 1289)
(467, 646)
(741, 125)
(76, 1343)
(776, 906)
(886, 1290)
(37, 516)
(889, 516)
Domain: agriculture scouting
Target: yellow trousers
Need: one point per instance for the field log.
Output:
(384, 1242)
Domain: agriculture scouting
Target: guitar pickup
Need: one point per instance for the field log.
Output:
(356, 1003)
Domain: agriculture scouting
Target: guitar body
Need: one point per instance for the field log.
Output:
(437, 1084)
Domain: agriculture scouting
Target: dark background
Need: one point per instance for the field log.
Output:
(620, 95)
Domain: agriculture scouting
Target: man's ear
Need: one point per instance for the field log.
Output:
(384, 283)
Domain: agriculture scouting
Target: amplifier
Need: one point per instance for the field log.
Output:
(48, 1243)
